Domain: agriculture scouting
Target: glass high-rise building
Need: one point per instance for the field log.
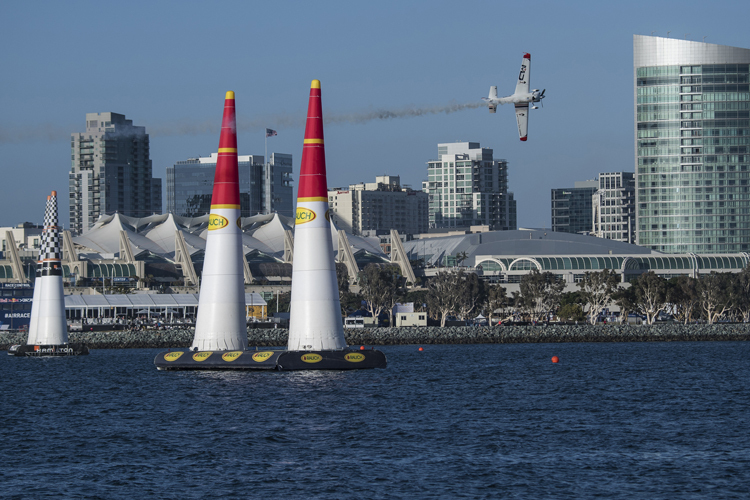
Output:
(614, 207)
(468, 187)
(110, 172)
(692, 145)
(264, 187)
(572, 210)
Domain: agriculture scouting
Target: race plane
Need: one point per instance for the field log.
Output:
(521, 98)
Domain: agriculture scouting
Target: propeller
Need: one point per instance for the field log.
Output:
(538, 98)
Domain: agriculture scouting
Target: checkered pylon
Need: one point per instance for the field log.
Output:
(52, 231)
(43, 249)
(50, 254)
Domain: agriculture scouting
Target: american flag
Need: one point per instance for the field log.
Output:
(270, 133)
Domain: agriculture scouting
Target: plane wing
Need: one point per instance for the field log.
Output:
(522, 85)
(522, 119)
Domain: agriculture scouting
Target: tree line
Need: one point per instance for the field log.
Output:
(455, 292)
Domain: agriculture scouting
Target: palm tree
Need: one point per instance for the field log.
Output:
(460, 257)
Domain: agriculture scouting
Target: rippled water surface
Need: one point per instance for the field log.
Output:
(651, 420)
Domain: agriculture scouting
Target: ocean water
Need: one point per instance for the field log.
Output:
(610, 420)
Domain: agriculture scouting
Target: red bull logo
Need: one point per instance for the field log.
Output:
(304, 215)
(216, 222)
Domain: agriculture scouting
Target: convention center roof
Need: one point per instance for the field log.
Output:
(263, 237)
(537, 242)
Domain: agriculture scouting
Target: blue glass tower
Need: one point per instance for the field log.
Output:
(692, 145)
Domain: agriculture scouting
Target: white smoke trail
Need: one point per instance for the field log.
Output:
(410, 112)
(52, 133)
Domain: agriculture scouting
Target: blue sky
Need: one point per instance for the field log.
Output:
(166, 65)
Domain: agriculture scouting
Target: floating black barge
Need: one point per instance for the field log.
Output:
(344, 359)
(40, 350)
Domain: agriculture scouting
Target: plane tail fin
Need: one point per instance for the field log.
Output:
(493, 92)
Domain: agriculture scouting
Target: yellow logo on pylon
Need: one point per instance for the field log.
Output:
(304, 215)
(311, 358)
(216, 222)
(354, 357)
(262, 356)
(202, 356)
(231, 356)
(172, 356)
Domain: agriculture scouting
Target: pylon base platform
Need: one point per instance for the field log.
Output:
(48, 350)
(343, 359)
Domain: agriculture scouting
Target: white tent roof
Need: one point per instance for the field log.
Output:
(156, 234)
(272, 233)
(104, 237)
(163, 234)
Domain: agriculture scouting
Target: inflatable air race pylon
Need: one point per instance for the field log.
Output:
(221, 324)
(316, 332)
(315, 312)
(48, 328)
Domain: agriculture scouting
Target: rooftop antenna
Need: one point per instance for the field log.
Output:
(687, 35)
(652, 33)
(668, 32)
(704, 39)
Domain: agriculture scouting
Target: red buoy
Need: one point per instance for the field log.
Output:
(555, 359)
(361, 348)
(421, 348)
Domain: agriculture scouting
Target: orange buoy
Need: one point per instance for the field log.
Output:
(555, 359)
(361, 348)
(421, 348)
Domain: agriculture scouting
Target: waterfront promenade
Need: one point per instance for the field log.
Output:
(668, 332)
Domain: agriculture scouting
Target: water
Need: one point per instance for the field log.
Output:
(651, 420)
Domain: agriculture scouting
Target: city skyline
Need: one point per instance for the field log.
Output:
(383, 95)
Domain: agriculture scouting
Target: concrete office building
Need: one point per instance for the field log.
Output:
(468, 187)
(614, 207)
(379, 207)
(572, 210)
(111, 172)
(692, 145)
(27, 236)
(264, 188)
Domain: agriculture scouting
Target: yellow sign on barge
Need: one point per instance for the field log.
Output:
(343, 359)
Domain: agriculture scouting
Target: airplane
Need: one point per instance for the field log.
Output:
(521, 98)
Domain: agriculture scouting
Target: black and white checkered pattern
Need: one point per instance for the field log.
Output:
(51, 248)
(43, 247)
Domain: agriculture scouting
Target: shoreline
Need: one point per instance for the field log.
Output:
(671, 332)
